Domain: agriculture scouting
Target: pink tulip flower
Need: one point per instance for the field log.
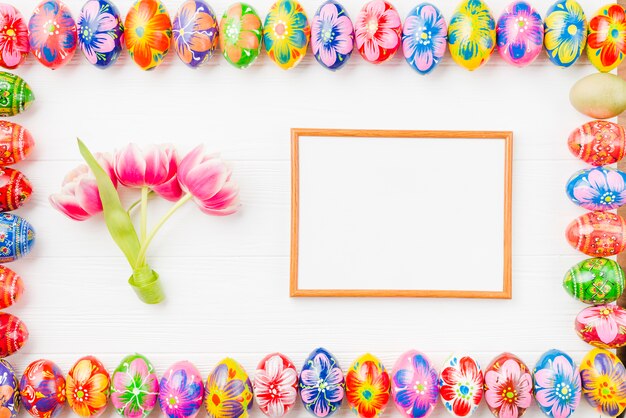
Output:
(170, 190)
(135, 167)
(207, 178)
(79, 198)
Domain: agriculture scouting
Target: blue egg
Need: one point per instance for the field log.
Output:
(17, 237)
(599, 188)
(565, 32)
(424, 38)
(557, 383)
(10, 399)
(322, 384)
(332, 35)
(100, 33)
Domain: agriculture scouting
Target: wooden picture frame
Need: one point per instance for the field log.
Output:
(298, 134)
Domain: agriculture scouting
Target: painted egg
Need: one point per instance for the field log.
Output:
(16, 143)
(148, 33)
(606, 43)
(52, 34)
(424, 38)
(286, 33)
(11, 287)
(367, 372)
(557, 384)
(461, 385)
(378, 30)
(332, 35)
(472, 34)
(604, 382)
(508, 386)
(595, 280)
(195, 32)
(88, 387)
(565, 32)
(181, 391)
(598, 234)
(598, 142)
(14, 44)
(10, 401)
(100, 33)
(275, 385)
(134, 387)
(519, 34)
(241, 33)
(14, 334)
(17, 237)
(599, 188)
(220, 402)
(322, 385)
(42, 389)
(414, 385)
(15, 189)
(15, 95)
(602, 326)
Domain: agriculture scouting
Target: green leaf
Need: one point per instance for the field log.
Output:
(117, 219)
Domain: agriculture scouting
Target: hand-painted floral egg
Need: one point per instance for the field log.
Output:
(461, 385)
(11, 287)
(424, 38)
(595, 280)
(599, 188)
(42, 389)
(565, 32)
(15, 189)
(241, 33)
(414, 385)
(322, 385)
(508, 386)
(332, 35)
(195, 32)
(15, 95)
(10, 401)
(286, 33)
(598, 142)
(52, 34)
(148, 33)
(367, 387)
(604, 382)
(275, 385)
(229, 391)
(602, 326)
(181, 391)
(378, 30)
(519, 34)
(606, 43)
(14, 334)
(14, 44)
(598, 234)
(16, 143)
(472, 34)
(557, 384)
(100, 33)
(17, 237)
(88, 387)
(134, 387)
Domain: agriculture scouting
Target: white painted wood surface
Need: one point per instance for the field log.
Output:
(227, 279)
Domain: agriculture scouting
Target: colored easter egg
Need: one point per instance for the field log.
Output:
(597, 234)
(52, 34)
(378, 31)
(508, 386)
(557, 384)
(87, 387)
(286, 33)
(598, 142)
(195, 32)
(14, 334)
(367, 372)
(16, 143)
(565, 32)
(15, 189)
(10, 401)
(602, 326)
(604, 382)
(595, 280)
(606, 43)
(181, 391)
(17, 237)
(472, 34)
(100, 33)
(461, 385)
(42, 389)
(519, 34)
(148, 33)
(241, 33)
(275, 385)
(322, 385)
(221, 402)
(14, 44)
(332, 35)
(134, 387)
(11, 287)
(424, 38)
(598, 188)
(15, 95)
(414, 385)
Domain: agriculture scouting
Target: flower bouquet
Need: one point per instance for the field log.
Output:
(156, 169)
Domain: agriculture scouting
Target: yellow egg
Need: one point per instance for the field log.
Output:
(472, 34)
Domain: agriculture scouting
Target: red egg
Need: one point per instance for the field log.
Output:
(591, 326)
(598, 234)
(507, 378)
(15, 189)
(598, 142)
(13, 333)
(11, 287)
(16, 143)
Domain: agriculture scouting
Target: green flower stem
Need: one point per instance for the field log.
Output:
(144, 215)
(138, 201)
